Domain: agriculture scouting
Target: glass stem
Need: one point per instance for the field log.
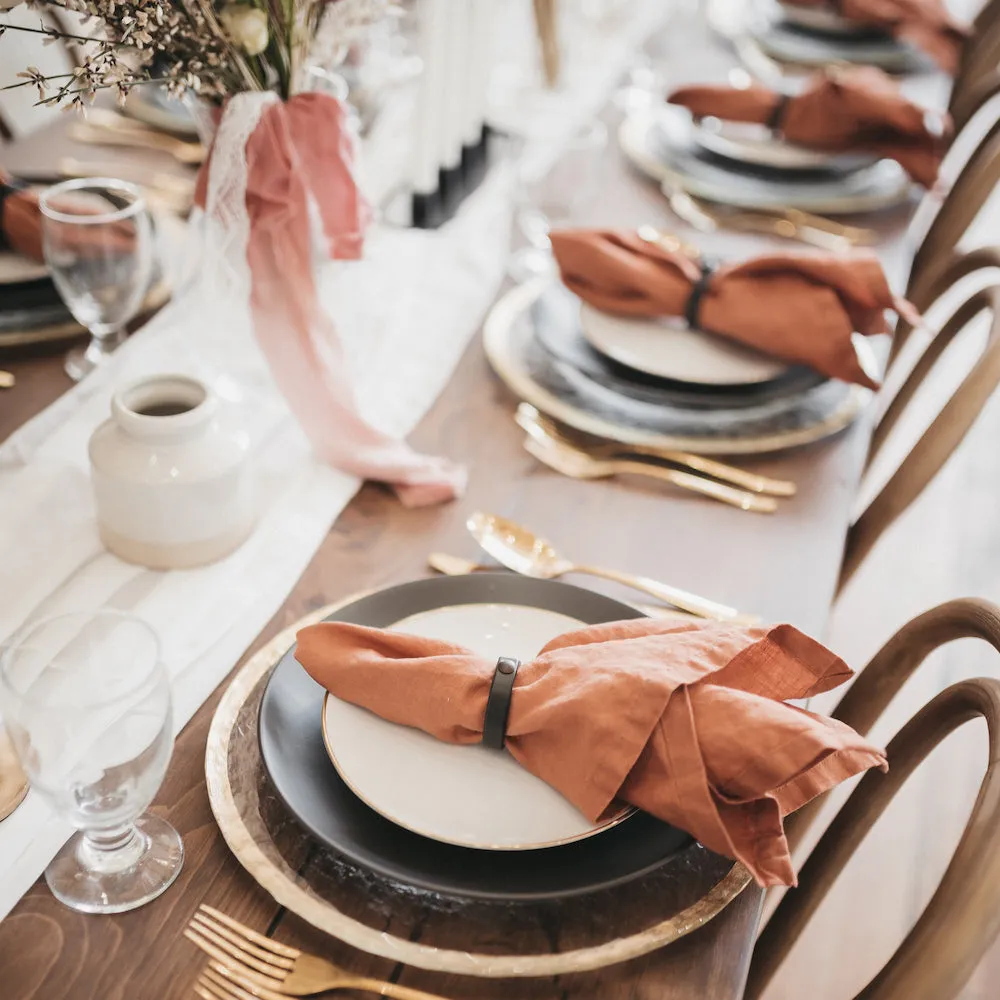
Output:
(112, 850)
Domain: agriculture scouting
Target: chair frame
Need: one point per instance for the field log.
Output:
(941, 951)
(956, 417)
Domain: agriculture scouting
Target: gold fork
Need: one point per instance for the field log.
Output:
(578, 464)
(530, 420)
(269, 969)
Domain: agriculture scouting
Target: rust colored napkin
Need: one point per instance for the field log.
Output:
(859, 109)
(925, 23)
(20, 219)
(686, 721)
(802, 307)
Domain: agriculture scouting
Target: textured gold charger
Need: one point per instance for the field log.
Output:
(442, 934)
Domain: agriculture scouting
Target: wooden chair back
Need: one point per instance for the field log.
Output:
(959, 207)
(962, 919)
(955, 418)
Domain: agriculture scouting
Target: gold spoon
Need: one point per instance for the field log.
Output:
(449, 565)
(13, 781)
(543, 428)
(518, 549)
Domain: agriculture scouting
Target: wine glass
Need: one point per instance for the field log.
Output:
(556, 198)
(97, 238)
(87, 704)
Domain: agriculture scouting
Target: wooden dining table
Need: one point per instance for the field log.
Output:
(782, 567)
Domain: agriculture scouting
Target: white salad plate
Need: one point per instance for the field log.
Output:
(467, 795)
(668, 348)
(757, 145)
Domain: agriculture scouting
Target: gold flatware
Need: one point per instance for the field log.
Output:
(71, 167)
(706, 218)
(667, 241)
(856, 235)
(269, 969)
(449, 565)
(13, 780)
(519, 549)
(543, 428)
(7, 380)
(162, 190)
(577, 464)
(189, 153)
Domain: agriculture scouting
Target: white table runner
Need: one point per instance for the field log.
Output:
(403, 348)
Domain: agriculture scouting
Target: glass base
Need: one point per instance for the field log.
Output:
(81, 361)
(113, 881)
(530, 263)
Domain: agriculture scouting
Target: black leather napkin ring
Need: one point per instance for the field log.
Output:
(7, 188)
(776, 119)
(498, 703)
(698, 290)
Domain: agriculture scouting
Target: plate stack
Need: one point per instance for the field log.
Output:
(450, 858)
(751, 167)
(31, 311)
(655, 382)
(819, 36)
(465, 821)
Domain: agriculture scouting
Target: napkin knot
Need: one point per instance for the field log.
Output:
(7, 188)
(498, 702)
(693, 307)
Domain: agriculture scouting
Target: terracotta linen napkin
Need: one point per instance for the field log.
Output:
(857, 109)
(802, 307)
(926, 23)
(685, 720)
(20, 219)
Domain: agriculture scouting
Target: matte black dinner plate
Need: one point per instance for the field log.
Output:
(556, 318)
(296, 760)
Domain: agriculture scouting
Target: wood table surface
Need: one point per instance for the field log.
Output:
(781, 567)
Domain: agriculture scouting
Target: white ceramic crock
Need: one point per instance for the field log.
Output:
(172, 491)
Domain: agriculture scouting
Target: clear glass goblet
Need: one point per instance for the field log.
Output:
(556, 199)
(87, 704)
(98, 243)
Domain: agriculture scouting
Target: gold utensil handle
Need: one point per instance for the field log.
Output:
(111, 136)
(853, 234)
(719, 470)
(697, 484)
(7, 380)
(682, 599)
(777, 225)
(389, 989)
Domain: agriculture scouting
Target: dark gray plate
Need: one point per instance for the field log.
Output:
(295, 758)
(556, 319)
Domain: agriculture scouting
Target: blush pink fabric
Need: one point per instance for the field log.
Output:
(301, 152)
(926, 23)
(685, 720)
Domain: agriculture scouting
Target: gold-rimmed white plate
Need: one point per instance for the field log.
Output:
(469, 796)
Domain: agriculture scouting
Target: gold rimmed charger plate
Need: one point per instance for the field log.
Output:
(276, 854)
(500, 344)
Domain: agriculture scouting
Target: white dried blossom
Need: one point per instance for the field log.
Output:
(246, 26)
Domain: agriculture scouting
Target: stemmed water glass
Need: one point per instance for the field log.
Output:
(97, 238)
(556, 198)
(87, 704)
